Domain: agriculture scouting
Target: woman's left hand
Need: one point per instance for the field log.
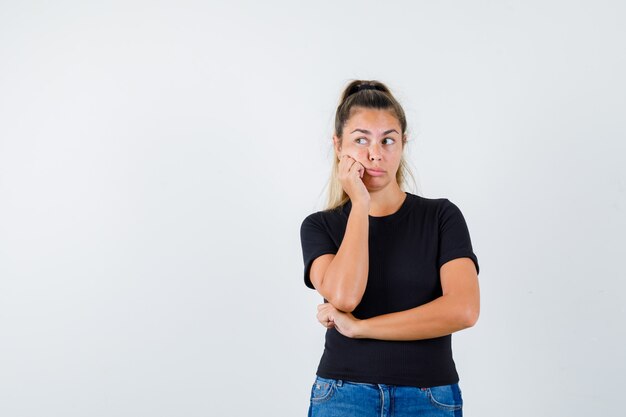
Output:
(345, 323)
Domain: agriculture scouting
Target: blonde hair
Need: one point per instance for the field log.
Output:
(366, 94)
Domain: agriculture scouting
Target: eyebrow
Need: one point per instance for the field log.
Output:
(367, 132)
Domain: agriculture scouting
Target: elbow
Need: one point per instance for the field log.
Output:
(345, 304)
(341, 298)
(469, 316)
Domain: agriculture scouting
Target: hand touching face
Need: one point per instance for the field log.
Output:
(350, 173)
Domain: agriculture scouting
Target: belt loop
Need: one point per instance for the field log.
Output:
(339, 382)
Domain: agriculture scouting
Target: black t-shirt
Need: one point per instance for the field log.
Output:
(406, 251)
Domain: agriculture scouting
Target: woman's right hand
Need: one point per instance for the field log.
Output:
(351, 173)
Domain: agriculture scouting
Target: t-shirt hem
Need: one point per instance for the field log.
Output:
(391, 380)
(307, 269)
(460, 254)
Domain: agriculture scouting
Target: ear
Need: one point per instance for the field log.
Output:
(337, 145)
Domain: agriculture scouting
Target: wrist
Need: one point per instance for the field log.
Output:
(360, 330)
(361, 205)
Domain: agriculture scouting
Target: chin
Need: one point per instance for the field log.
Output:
(375, 187)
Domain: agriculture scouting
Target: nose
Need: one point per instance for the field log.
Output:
(375, 153)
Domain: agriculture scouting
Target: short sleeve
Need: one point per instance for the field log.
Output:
(454, 237)
(316, 241)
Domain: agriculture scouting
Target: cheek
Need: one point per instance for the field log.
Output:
(396, 156)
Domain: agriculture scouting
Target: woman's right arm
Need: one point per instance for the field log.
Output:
(341, 278)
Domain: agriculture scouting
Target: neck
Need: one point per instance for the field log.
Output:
(386, 201)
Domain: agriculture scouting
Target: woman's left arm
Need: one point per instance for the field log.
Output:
(458, 308)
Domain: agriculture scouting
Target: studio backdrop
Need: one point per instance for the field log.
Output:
(157, 160)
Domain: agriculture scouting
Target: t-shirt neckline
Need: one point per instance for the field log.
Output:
(388, 218)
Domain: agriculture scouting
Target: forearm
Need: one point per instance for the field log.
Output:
(346, 276)
(440, 317)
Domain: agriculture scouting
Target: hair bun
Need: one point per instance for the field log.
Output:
(366, 87)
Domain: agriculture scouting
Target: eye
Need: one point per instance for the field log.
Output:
(358, 139)
(391, 139)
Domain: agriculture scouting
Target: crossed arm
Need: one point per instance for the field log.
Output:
(458, 308)
(342, 278)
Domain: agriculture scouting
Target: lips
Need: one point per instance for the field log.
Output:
(375, 172)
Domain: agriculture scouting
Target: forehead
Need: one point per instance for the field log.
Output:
(373, 119)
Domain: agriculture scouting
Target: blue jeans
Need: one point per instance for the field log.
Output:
(341, 398)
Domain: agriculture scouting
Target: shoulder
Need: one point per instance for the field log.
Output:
(434, 205)
(438, 209)
(325, 221)
(438, 203)
(324, 217)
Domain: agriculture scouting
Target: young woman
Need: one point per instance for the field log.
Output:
(397, 272)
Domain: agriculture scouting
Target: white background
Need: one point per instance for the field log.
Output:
(157, 159)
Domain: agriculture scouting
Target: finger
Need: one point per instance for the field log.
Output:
(325, 321)
(346, 164)
(346, 159)
(324, 315)
(321, 306)
(357, 168)
(322, 319)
